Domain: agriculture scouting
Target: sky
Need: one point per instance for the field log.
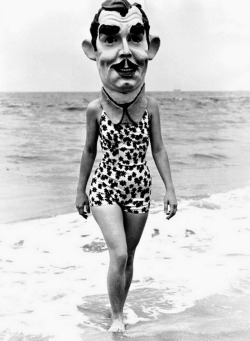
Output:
(205, 45)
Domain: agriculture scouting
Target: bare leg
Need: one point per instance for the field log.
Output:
(110, 220)
(134, 226)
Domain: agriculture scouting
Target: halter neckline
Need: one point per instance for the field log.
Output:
(124, 106)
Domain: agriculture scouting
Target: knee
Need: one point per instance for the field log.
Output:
(119, 258)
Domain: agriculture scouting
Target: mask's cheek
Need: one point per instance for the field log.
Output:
(107, 55)
(106, 73)
(140, 56)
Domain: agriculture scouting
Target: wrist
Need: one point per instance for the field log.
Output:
(81, 189)
(170, 189)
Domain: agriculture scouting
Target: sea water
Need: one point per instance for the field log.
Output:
(207, 136)
(192, 273)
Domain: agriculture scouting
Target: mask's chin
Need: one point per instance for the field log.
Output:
(125, 85)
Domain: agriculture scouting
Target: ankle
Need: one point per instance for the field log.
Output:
(118, 317)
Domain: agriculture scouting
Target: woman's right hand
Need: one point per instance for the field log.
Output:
(82, 204)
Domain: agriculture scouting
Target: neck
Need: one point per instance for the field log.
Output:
(123, 98)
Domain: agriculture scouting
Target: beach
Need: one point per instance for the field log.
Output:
(192, 273)
(191, 277)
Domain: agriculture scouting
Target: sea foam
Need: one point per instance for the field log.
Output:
(50, 266)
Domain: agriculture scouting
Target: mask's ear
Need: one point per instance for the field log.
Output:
(153, 46)
(89, 49)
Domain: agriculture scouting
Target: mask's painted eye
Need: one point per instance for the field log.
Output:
(136, 38)
(110, 40)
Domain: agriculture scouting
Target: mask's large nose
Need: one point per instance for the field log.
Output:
(125, 49)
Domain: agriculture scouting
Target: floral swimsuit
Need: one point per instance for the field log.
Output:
(123, 177)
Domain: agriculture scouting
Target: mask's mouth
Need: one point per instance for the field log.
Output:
(125, 68)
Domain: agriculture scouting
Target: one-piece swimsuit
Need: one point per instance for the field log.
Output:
(123, 177)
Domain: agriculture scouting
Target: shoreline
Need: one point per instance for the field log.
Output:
(156, 206)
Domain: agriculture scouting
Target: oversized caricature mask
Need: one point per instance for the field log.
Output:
(121, 46)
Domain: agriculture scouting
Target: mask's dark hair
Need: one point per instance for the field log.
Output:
(122, 8)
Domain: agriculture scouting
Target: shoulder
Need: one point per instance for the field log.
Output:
(94, 110)
(152, 107)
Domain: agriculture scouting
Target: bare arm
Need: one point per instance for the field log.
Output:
(88, 158)
(161, 158)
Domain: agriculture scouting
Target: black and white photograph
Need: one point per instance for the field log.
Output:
(125, 186)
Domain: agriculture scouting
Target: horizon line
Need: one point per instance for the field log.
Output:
(93, 91)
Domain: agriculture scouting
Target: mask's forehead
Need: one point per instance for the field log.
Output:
(133, 17)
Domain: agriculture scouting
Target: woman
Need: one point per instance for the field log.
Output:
(126, 120)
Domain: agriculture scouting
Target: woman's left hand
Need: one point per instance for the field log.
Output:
(170, 203)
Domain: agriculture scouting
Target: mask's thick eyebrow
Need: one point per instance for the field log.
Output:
(137, 29)
(109, 30)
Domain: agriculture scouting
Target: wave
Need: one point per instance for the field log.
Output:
(213, 156)
(35, 158)
(74, 108)
(214, 139)
(14, 106)
(218, 201)
(66, 123)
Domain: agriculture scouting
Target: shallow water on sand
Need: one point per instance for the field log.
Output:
(217, 318)
(191, 278)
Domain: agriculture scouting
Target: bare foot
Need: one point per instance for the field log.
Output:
(117, 326)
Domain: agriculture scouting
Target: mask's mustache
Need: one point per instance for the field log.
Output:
(125, 64)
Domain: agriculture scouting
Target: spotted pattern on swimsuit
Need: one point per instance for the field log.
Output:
(123, 177)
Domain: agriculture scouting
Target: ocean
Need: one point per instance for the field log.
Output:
(192, 273)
